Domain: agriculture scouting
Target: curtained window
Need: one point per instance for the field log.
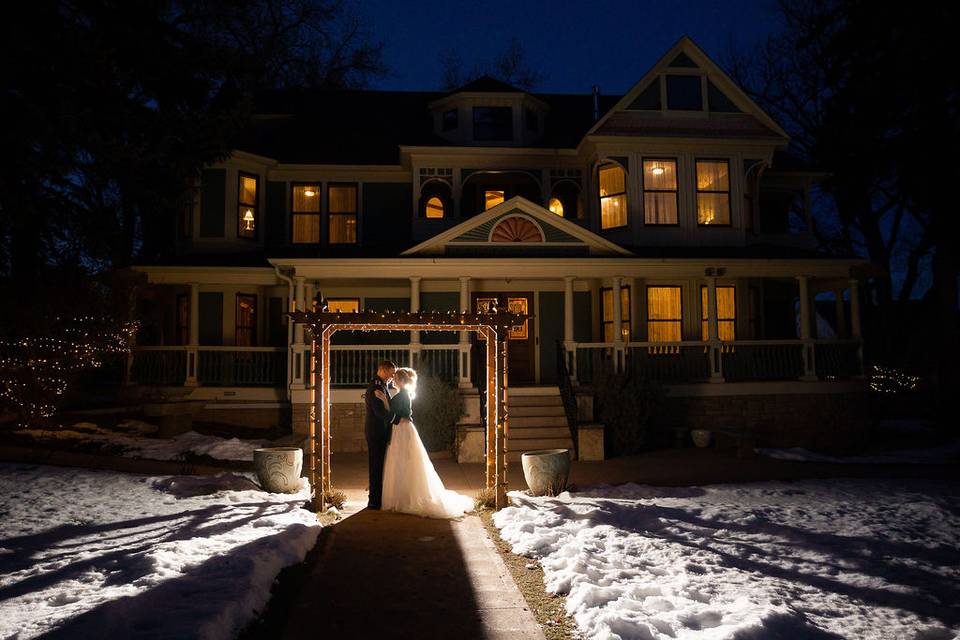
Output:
(434, 208)
(660, 192)
(492, 198)
(246, 325)
(607, 297)
(342, 213)
(713, 192)
(726, 313)
(613, 196)
(343, 305)
(556, 206)
(305, 213)
(664, 314)
(248, 216)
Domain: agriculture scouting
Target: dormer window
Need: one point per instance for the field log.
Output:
(684, 93)
(450, 120)
(493, 124)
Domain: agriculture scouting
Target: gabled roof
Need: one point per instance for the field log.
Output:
(753, 122)
(487, 233)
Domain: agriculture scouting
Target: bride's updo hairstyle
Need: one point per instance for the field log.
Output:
(406, 377)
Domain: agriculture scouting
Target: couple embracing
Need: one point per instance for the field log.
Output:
(402, 477)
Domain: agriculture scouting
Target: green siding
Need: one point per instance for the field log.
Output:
(386, 214)
(211, 318)
(551, 330)
(276, 222)
(213, 192)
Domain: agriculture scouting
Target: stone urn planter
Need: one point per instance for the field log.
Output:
(701, 437)
(546, 471)
(278, 468)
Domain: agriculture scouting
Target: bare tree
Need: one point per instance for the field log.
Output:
(510, 66)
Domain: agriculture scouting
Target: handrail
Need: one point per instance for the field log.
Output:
(567, 396)
(186, 347)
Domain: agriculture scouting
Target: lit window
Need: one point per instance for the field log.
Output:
(246, 326)
(660, 192)
(713, 192)
(342, 213)
(343, 305)
(664, 314)
(607, 294)
(556, 206)
(613, 196)
(247, 214)
(726, 313)
(434, 207)
(492, 199)
(305, 213)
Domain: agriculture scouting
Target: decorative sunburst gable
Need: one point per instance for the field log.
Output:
(516, 225)
(686, 56)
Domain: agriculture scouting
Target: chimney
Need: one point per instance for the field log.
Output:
(596, 102)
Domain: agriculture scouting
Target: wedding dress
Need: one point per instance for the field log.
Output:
(410, 482)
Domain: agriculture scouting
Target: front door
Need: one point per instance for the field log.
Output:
(521, 348)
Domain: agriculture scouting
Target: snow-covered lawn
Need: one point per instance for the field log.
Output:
(91, 554)
(805, 560)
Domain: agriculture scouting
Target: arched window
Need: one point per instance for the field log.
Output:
(612, 183)
(556, 206)
(434, 207)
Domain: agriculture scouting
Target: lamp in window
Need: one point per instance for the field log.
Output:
(248, 220)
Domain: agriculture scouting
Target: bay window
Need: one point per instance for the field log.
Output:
(305, 213)
(342, 213)
(660, 192)
(713, 192)
(613, 196)
(248, 217)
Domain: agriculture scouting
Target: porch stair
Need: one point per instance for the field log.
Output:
(537, 421)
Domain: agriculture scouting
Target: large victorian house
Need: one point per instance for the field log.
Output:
(663, 232)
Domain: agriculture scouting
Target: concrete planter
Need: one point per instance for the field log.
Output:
(701, 437)
(546, 471)
(279, 468)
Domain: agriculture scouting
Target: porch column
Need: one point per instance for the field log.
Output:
(193, 353)
(841, 312)
(713, 333)
(855, 330)
(569, 346)
(297, 350)
(464, 336)
(617, 325)
(809, 366)
(415, 307)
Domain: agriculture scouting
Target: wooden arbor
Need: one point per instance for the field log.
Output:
(493, 328)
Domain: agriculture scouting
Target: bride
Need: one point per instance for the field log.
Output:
(410, 483)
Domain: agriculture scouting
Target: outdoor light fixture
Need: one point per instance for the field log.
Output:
(248, 220)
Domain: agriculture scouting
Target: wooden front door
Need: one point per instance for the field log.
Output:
(521, 355)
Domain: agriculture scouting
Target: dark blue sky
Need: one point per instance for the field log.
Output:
(575, 44)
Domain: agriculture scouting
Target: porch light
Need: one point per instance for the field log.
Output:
(248, 220)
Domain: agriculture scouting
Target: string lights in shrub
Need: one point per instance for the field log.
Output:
(890, 381)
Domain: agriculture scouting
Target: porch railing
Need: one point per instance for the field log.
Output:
(762, 360)
(158, 365)
(354, 365)
(242, 366)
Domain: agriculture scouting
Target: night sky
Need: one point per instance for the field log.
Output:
(575, 44)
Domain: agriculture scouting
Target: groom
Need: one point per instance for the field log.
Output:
(377, 426)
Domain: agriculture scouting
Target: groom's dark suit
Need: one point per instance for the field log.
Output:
(377, 426)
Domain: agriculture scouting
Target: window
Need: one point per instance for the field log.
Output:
(713, 192)
(342, 213)
(343, 305)
(607, 296)
(726, 313)
(183, 319)
(613, 196)
(493, 123)
(305, 213)
(246, 326)
(556, 206)
(684, 93)
(247, 215)
(660, 192)
(532, 119)
(664, 314)
(492, 198)
(450, 120)
(434, 208)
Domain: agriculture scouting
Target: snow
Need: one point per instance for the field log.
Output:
(134, 445)
(864, 559)
(92, 554)
(931, 455)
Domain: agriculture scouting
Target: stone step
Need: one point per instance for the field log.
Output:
(543, 390)
(537, 421)
(534, 401)
(536, 410)
(520, 433)
(534, 444)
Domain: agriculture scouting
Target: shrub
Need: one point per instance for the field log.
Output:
(485, 499)
(436, 409)
(335, 498)
(625, 403)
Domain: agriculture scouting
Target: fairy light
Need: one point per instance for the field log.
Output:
(889, 381)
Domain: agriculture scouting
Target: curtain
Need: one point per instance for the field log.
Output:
(343, 229)
(726, 313)
(613, 197)
(306, 228)
(664, 314)
(660, 192)
(248, 190)
(713, 192)
(343, 198)
(303, 203)
(246, 325)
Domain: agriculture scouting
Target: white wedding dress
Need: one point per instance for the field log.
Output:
(411, 484)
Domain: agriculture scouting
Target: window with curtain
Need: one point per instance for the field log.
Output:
(726, 313)
(342, 213)
(491, 198)
(183, 318)
(660, 192)
(246, 326)
(612, 181)
(607, 297)
(248, 217)
(664, 314)
(305, 213)
(556, 206)
(343, 305)
(713, 192)
(434, 208)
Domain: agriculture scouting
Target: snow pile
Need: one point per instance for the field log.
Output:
(946, 454)
(87, 554)
(805, 560)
